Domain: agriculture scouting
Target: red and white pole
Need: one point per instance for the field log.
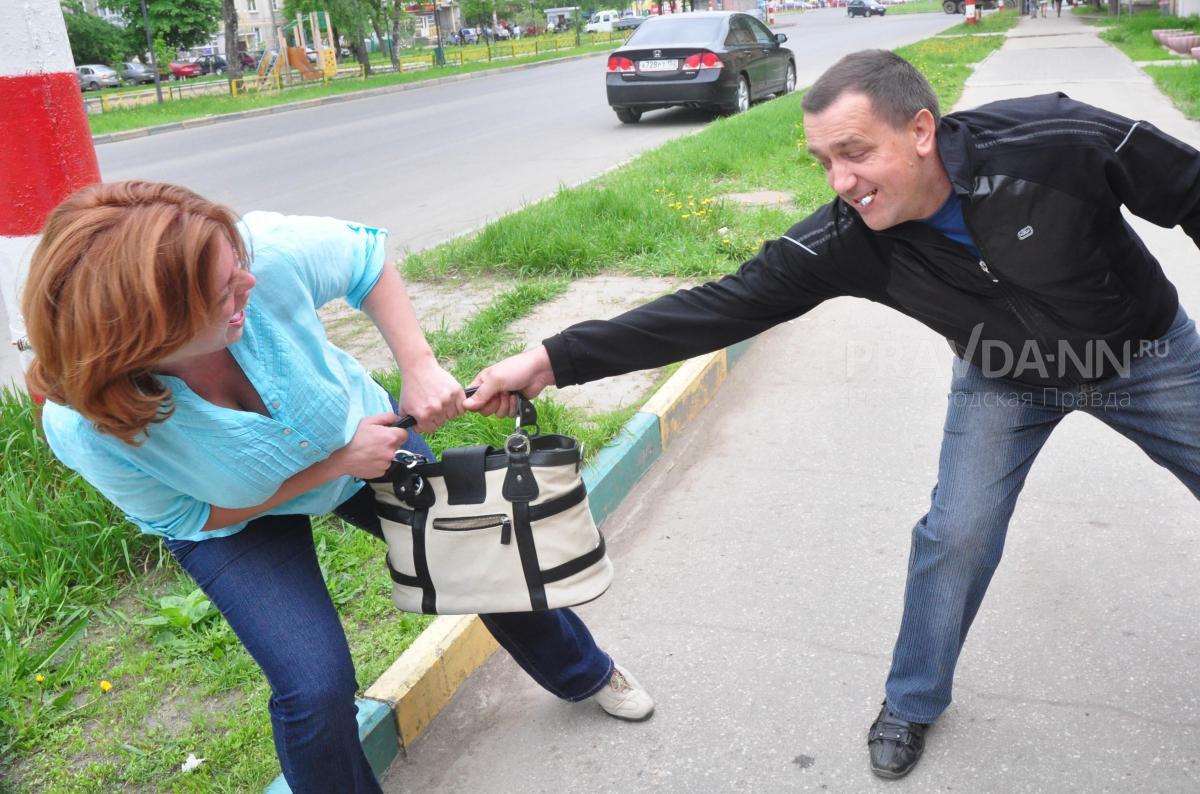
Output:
(46, 150)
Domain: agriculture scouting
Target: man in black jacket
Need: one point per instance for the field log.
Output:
(1001, 229)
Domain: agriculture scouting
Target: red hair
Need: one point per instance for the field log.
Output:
(121, 279)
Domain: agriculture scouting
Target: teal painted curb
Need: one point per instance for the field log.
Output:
(621, 463)
(609, 478)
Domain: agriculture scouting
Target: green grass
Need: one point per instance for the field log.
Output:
(916, 7)
(121, 119)
(1181, 84)
(80, 586)
(1131, 34)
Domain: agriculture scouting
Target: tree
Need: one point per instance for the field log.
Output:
(93, 40)
(233, 58)
(182, 25)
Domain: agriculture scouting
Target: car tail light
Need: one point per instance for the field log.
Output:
(702, 60)
(618, 64)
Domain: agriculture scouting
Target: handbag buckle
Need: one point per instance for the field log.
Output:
(517, 444)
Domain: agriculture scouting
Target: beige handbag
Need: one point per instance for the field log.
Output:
(492, 530)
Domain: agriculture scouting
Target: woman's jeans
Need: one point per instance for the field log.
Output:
(994, 431)
(266, 581)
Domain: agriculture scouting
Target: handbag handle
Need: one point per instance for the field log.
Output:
(526, 413)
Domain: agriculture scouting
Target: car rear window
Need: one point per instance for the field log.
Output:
(674, 31)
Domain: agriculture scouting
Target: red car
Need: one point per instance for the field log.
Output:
(180, 71)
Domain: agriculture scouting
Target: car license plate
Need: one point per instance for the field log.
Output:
(669, 65)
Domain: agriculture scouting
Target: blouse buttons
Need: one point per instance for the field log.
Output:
(287, 431)
(303, 445)
(274, 403)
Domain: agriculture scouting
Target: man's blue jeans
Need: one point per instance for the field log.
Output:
(994, 431)
(266, 581)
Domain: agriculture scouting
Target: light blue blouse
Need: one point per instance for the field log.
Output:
(316, 394)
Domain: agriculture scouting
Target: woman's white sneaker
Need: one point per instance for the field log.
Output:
(624, 698)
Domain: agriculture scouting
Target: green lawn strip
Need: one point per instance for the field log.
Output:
(1181, 84)
(663, 213)
(193, 689)
(121, 119)
(916, 7)
(1131, 33)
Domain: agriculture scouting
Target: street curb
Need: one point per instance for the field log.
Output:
(349, 96)
(398, 706)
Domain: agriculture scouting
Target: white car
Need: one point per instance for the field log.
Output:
(602, 21)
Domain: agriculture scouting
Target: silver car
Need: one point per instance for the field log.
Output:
(94, 76)
(135, 73)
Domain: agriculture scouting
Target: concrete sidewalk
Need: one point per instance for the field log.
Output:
(760, 571)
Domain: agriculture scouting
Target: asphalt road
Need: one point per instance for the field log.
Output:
(435, 162)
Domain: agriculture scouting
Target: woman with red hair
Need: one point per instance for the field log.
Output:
(203, 398)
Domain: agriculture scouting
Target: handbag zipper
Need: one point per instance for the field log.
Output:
(477, 522)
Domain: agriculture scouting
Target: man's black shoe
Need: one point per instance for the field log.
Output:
(895, 744)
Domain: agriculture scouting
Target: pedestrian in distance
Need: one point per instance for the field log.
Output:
(1000, 228)
(189, 379)
(1058, 8)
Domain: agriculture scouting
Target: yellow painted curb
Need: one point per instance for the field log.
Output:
(686, 393)
(429, 672)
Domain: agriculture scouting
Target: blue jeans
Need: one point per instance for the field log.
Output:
(266, 581)
(994, 431)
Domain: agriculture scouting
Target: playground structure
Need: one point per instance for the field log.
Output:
(270, 74)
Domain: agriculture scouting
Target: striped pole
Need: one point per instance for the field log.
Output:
(46, 150)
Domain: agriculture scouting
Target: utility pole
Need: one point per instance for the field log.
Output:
(153, 57)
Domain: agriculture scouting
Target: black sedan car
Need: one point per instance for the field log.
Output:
(865, 8)
(719, 60)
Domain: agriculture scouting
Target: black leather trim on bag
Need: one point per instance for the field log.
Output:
(572, 567)
(463, 469)
(421, 564)
(519, 483)
(528, 552)
(562, 451)
(402, 578)
(552, 507)
(394, 513)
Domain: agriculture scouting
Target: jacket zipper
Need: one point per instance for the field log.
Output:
(477, 522)
(1010, 299)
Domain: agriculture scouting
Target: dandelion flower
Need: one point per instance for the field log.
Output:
(685, 215)
(725, 240)
(105, 686)
(41, 679)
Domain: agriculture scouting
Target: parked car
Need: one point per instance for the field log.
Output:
(720, 60)
(181, 70)
(248, 60)
(94, 76)
(628, 23)
(865, 8)
(135, 73)
(211, 64)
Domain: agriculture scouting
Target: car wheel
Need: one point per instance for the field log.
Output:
(628, 115)
(93, 86)
(950, 6)
(741, 101)
(789, 79)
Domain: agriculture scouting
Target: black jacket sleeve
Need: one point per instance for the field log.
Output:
(1157, 177)
(786, 279)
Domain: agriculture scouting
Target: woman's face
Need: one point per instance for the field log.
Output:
(232, 286)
